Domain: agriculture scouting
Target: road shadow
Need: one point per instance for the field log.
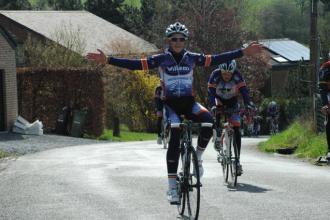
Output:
(184, 217)
(244, 187)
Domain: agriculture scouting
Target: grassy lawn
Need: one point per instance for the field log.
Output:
(3, 154)
(300, 135)
(126, 135)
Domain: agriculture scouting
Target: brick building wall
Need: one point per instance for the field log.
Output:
(8, 67)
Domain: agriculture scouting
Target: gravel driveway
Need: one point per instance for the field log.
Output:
(23, 144)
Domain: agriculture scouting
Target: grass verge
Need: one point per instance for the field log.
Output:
(3, 154)
(126, 135)
(299, 135)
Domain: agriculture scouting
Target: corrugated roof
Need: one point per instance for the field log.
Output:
(96, 32)
(289, 49)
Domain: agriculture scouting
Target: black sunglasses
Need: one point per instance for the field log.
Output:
(176, 39)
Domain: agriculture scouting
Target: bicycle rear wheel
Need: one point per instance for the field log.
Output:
(193, 180)
(233, 162)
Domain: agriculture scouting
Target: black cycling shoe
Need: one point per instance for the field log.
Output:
(239, 170)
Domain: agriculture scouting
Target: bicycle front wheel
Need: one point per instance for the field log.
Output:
(222, 159)
(193, 180)
(233, 162)
(182, 189)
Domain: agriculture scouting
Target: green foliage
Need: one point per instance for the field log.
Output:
(276, 19)
(133, 20)
(251, 22)
(130, 97)
(324, 31)
(138, 20)
(126, 135)
(290, 110)
(297, 85)
(65, 4)
(15, 5)
(133, 3)
(3, 154)
(285, 20)
(109, 10)
(300, 134)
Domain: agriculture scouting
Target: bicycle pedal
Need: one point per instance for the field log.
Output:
(175, 203)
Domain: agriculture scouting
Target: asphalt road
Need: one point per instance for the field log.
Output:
(120, 181)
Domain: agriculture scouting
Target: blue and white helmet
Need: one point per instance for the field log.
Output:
(229, 66)
(177, 28)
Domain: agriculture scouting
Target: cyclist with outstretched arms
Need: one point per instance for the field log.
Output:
(175, 67)
(224, 86)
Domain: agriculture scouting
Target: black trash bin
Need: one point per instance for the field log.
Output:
(78, 123)
(62, 121)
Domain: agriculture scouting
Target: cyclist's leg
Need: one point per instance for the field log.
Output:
(327, 129)
(173, 151)
(159, 125)
(218, 123)
(202, 115)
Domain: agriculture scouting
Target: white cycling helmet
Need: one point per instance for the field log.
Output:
(177, 28)
(229, 66)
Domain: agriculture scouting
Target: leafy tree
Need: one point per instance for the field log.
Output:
(15, 5)
(65, 4)
(41, 5)
(147, 10)
(140, 21)
(324, 31)
(282, 19)
(132, 20)
(109, 10)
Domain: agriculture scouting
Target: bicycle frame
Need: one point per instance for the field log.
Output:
(273, 125)
(225, 145)
(188, 183)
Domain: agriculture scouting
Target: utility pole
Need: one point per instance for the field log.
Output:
(314, 55)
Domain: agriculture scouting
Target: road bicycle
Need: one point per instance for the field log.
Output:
(226, 146)
(273, 125)
(188, 179)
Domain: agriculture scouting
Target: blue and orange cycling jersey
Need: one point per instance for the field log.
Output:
(227, 92)
(176, 76)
